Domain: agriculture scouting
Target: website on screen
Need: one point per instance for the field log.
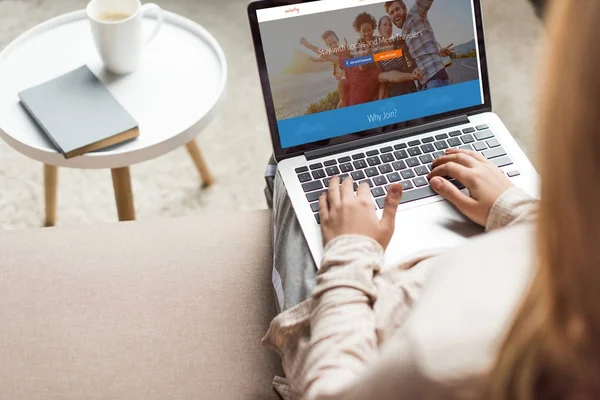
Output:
(338, 67)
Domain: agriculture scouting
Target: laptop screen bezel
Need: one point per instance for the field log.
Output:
(281, 153)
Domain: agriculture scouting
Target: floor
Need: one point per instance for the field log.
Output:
(237, 144)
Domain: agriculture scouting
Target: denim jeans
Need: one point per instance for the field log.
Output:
(436, 83)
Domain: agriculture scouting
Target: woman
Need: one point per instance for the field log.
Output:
(403, 64)
(512, 315)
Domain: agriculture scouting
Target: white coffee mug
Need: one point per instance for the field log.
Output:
(117, 30)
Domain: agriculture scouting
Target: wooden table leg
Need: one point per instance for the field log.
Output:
(196, 154)
(50, 193)
(123, 194)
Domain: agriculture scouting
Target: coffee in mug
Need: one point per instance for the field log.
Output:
(118, 34)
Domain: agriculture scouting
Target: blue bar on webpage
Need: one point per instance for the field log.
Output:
(326, 125)
(355, 62)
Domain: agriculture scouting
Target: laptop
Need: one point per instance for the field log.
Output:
(361, 88)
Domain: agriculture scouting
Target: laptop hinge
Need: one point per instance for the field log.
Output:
(369, 141)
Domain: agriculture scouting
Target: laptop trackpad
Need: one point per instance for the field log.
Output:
(430, 226)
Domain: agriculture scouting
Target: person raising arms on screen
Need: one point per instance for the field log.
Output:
(332, 41)
(421, 40)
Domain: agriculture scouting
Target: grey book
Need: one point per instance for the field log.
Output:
(78, 113)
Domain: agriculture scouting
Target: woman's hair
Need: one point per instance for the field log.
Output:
(552, 350)
(364, 18)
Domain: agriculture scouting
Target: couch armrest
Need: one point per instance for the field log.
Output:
(143, 310)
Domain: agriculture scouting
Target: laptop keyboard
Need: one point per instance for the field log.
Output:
(406, 163)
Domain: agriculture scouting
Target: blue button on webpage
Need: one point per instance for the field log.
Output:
(354, 62)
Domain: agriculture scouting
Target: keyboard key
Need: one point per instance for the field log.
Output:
(378, 192)
(428, 140)
(311, 186)
(314, 196)
(493, 143)
(414, 151)
(305, 177)
(358, 156)
(408, 174)
(332, 171)
(399, 165)
(385, 169)
(454, 142)
(367, 181)
(329, 163)
(347, 167)
(360, 164)
(371, 172)
(319, 174)
(426, 159)
(438, 154)
(300, 170)
(421, 170)
(442, 145)
(372, 153)
(372, 161)
(414, 143)
(428, 148)
(420, 181)
(318, 218)
(400, 146)
(467, 147)
(480, 146)
(316, 166)
(387, 158)
(482, 127)
(455, 133)
(401, 155)
(468, 130)
(493, 153)
(358, 175)
(380, 180)
(412, 162)
(343, 176)
(326, 182)
(430, 167)
(394, 177)
(344, 160)
(514, 173)
(467, 139)
(502, 161)
(458, 184)
(407, 185)
(314, 207)
(387, 149)
(412, 195)
(441, 137)
(482, 135)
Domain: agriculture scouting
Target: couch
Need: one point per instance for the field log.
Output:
(164, 309)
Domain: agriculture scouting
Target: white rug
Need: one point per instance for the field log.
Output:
(237, 144)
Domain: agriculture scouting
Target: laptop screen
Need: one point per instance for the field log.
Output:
(338, 67)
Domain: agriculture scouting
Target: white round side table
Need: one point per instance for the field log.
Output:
(173, 96)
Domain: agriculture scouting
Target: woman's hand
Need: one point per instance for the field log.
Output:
(342, 213)
(485, 181)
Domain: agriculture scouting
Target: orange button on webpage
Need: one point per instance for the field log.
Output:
(388, 55)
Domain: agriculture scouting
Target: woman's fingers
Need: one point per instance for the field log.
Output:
(364, 193)
(476, 155)
(392, 201)
(347, 190)
(451, 193)
(459, 158)
(323, 208)
(334, 196)
(454, 170)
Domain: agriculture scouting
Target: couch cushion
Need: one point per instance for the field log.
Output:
(142, 310)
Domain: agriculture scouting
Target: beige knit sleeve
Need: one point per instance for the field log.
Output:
(513, 207)
(343, 339)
